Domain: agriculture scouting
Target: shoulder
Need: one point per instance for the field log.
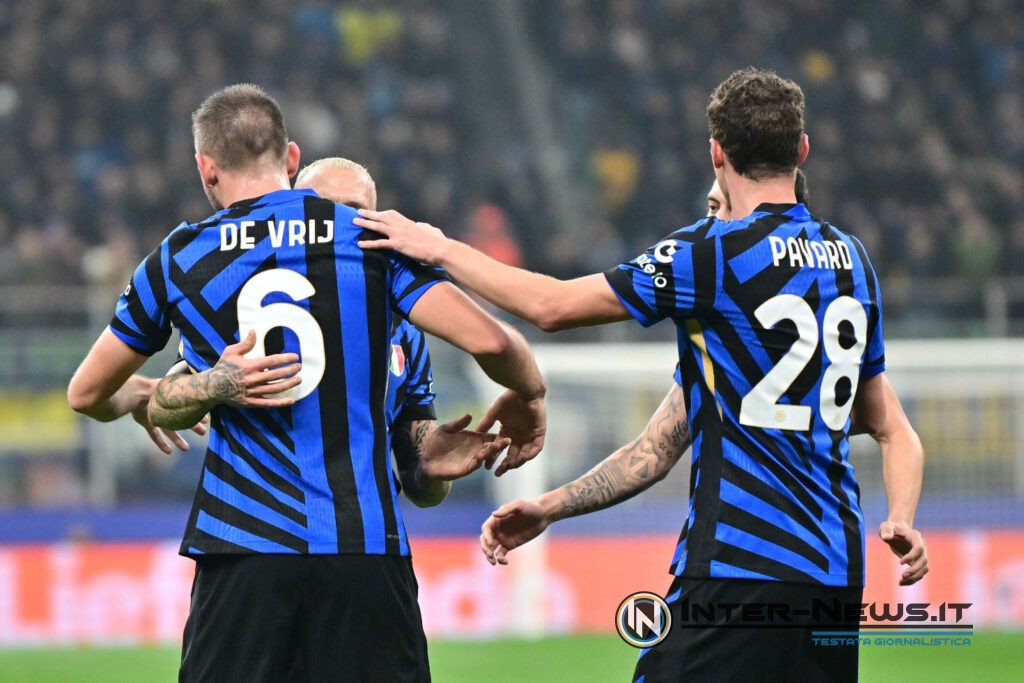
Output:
(703, 229)
(342, 212)
(181, 235)
(856, 247)
(679, 241)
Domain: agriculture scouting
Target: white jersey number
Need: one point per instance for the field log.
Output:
(760, 407)
(253, 315)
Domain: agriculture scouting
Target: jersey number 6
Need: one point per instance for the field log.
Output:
(253, 315)
(760, 407)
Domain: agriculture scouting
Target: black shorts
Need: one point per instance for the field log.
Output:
(277, 618)
(694, 652)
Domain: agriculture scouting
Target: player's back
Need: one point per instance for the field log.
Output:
(313, 478)
(782, 348)
(779, 318)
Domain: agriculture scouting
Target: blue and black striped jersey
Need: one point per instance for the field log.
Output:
(778, 317)
(411, 387)
(316, 477)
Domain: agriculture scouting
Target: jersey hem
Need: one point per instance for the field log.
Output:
(275, 549)
(821, 578)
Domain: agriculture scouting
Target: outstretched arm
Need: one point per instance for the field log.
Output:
(182, 400)
(628, 471)
(503, 354)
(878, 412)
(549, 303)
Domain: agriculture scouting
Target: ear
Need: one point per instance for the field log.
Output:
(803, 149)
(207, 170)
(294, 156)
(717, 154)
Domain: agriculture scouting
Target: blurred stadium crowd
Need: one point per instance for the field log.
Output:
(916, 116)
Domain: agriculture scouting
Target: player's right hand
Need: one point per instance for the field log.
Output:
(523, 421)
(907, 544)
(509, 527)
(253, 382)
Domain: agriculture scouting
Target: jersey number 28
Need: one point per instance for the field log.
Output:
(253, 315)
(760, 407)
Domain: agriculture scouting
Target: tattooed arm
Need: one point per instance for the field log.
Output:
(181, 400)
(633, 468)
(430, 455)
(409, 443)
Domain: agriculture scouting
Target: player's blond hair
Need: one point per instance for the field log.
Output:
(302, 179)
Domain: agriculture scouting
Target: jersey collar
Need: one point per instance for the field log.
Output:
(275, 197)
(792, 209)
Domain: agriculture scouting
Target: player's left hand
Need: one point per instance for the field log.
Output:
(907, 544)
(523, 421)
(161, 436)
(419, 241)
(451, 451)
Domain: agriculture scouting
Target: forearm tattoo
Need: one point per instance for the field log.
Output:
(635, 466)
(409, 444)
(181, 400)
(409, 441)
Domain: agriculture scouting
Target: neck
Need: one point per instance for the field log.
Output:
(746, 194)
(235, 188)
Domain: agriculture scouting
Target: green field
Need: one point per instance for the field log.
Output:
(991, 657)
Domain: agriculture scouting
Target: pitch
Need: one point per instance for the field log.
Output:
(992, 657)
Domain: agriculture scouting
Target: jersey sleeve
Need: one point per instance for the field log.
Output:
(675, 278)
(141, 317)
(874, 352)
(678, 375)
(419, 387)
(410, 281)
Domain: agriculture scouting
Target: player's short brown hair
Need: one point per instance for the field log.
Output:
(240, 126)
(758, 118)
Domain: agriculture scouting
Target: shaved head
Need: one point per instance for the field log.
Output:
(340, 180)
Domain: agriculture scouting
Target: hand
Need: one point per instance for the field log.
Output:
(509, 527)
(450, 452)
(419, 241)
(160, 436)
(523, 421)
(253, 382)
(908, 545)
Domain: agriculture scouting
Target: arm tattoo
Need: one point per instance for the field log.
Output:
(409, 440)
(637, 465)
(180, 401)
(409, 444)
(595, 490)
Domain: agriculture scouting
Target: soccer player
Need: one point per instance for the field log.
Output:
(780, 337)
(412, 420)
(295, 529)
(647, 459)
(415, 437)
